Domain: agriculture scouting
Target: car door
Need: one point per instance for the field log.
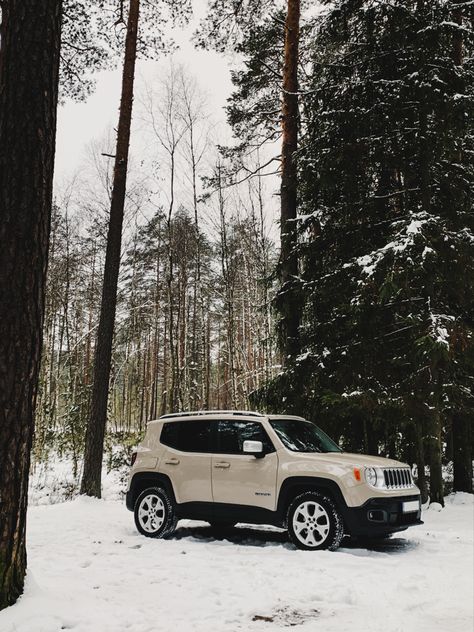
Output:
(239, 478)
(187, 459)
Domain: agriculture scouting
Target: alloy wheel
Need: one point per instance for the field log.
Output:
(311, 523)
(151, 513)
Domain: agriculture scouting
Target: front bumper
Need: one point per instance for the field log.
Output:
(379, 516)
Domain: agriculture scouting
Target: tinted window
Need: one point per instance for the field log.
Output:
(169, 435)
(187, 436)
(232, 434)
(303, 436)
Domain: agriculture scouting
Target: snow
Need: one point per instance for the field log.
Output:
(355, 393)
(427, 251)
(414, 227)
(439, 332)
(303, 356)
(404, 239)
(90, 571)
(55, 481)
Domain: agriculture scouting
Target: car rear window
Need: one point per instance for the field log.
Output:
(187, 436)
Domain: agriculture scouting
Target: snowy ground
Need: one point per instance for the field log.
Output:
(90, 571)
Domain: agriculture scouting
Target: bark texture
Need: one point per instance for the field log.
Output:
(288, 304)
(462, 453)
(462, 431)
(30, 36)
(94, 445)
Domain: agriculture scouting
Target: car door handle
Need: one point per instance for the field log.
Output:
(172, 462)
(223, 465)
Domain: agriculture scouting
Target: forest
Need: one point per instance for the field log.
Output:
(313, 256)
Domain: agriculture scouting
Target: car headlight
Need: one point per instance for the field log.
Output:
(371, 476)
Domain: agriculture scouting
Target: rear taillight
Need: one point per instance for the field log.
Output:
(133, 459)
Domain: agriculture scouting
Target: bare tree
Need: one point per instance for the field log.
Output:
(162, 115)
(195, 147)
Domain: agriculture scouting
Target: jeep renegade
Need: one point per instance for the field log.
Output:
(226, 467)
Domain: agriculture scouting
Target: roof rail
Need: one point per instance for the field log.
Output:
(241, 413)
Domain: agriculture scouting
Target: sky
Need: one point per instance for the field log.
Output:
(81, 123)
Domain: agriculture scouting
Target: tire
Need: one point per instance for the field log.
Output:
(314, 523)
(221, 524)
(154, 513)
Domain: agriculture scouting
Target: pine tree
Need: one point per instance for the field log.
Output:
(29, 77)
(288, 301)
(95, 433)
(387, 278)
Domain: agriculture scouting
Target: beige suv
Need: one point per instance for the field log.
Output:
(226, 467)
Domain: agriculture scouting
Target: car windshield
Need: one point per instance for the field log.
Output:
(303, 436)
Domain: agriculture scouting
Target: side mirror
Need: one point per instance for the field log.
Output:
(254, 447)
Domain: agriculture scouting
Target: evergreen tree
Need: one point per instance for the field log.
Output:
(388, 231)
(93, 36)
(95, 432)
(264, 107)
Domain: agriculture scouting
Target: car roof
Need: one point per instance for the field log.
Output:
(199, 414)
(295, 417)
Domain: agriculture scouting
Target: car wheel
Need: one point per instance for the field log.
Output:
(154, 513)
(314, 522)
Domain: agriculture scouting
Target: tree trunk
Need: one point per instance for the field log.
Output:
(30, 35)
(287, 303)
(461, 429)
(420, 461)
(462, 453)
(433, 440)
(94, 447)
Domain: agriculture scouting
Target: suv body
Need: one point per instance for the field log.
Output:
(235, 466)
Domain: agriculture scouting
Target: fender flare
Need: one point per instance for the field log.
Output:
(294, 485)
(142, 480)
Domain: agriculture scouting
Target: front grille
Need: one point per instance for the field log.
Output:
(397, 477)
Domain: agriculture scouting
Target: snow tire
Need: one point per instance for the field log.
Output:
(314, 523)
(154, 512)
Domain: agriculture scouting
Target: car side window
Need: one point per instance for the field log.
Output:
(169, 435)
(232, 434)
(187, 436)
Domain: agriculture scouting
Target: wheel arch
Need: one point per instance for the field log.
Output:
(295, 485)
(142, 480)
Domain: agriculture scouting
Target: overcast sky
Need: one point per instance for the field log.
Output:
(80, 123)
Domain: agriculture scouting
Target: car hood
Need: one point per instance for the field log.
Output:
(352, 459)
